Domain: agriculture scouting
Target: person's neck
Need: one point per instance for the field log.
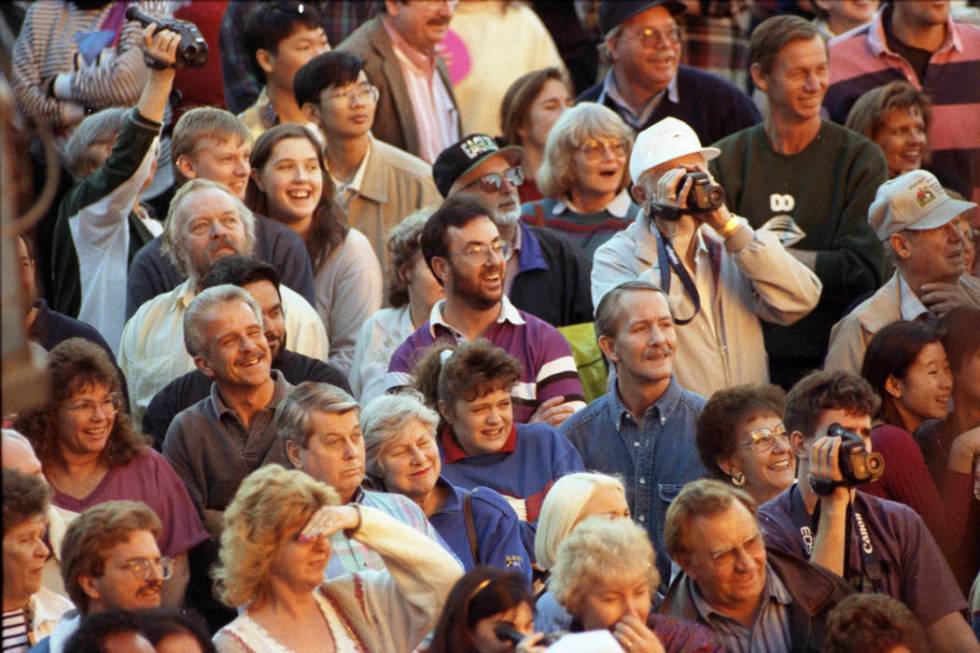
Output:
(344, 155)
(291, 603)
(508, 231)
(916, 281)
(840, 25)
(789, 136)
(639, 397)
(922, 37)
(301, 227)
(589, 202)
(433, 500)
(910, 421)
(466, 319)
(427, 51)
(284, 102)
(418, 311)
(79, 465)
(533, 155)
(246, 401)
(636, 95)
(18, 602)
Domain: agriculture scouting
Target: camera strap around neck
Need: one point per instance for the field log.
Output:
(666, 252)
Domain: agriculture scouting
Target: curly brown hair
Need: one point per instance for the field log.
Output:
(73, 365)
(723, 412)
(872, 623)
(474, 369)
(24, 495)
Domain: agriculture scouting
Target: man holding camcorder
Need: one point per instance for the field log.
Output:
(722, 276)
(877, 545)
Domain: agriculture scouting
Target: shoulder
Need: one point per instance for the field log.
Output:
(538, 329)
(360, 40)
(596, 410)
(200, 413)
(400, 160)
(150, 310)
(690, 399)
(590, 94)
(540, 436)
(776, 509)
(491, 504)
(356, 244)
(707, 82)
(679, 634)
(735, 142)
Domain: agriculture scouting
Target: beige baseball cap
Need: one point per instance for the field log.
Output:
(915, 200)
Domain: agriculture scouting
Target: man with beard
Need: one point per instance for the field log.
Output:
(205, 223)
(262, 282)
(109, 561)
(463, 248)
(546, 275)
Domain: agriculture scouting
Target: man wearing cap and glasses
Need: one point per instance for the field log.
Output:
(722, 276)
(547, 275)
(646, 82)
(917, 221)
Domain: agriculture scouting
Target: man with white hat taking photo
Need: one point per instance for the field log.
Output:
(722, 276)
(917, 221)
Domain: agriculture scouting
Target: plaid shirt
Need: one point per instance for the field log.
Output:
(716, 39)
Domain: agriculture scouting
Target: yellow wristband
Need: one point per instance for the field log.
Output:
(729, 227)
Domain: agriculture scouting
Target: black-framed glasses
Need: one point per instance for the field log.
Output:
(477, 253)
(650, 37)
(764, 439)
(363, 93)
(594, 149)
(494, 181)
(86, 408)
(141, 568)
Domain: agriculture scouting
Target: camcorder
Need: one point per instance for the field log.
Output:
(857, 465)
(507, 633)
(192, 51)
(705, 196)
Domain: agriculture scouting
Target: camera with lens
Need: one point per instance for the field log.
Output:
(857, 465)
(507, 633)
(705, 196)
(192, 51)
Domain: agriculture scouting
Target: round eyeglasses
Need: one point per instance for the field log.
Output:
(141, 568)
(764, 439)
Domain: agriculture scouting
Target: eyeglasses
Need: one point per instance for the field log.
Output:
(494, 182)
(649, 37)
(362, 93)
(763, 440)
(752, 547)
(476, 253)
(141, 568)
(593, 150)
(108, 406)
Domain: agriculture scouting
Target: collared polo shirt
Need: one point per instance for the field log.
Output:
(636, 120)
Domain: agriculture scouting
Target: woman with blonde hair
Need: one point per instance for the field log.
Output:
(584, 177)
(274, 549)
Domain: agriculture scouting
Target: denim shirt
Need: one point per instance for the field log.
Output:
(655, 460)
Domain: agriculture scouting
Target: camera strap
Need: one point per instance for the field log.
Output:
(666, 252)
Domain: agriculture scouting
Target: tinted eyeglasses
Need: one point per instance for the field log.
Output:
(494, 182)
(649, 37)
(763, 440)
(141, 568)
(477, 253)
(593, 150)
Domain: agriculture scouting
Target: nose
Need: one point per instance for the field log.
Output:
(494, 416)
(350, 449)
(156, 571)
(42, 550)
(743, 561)
(418, 456)
(301, 174)
(242, 166)
(635, 606)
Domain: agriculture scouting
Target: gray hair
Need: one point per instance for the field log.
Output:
(292, 419)
(403, 244)
(100, 128)
(609, 312)
(195, 340)
(172, 245)
(584, 121)
(382, 420)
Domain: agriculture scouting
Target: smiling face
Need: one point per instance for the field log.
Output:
(292, 181)
(298, 565)
(210, 229)
(766, 473)
(613, 598)
(798, 81)
(422, 24)
(24, 553)
(334, 453)
(479, 284)
(902, 138)
(482, 425)
(520, 617)
(644, 345)
(505, 203)
(119, 588)
(342, 117)
(410, 462)
(273, 319)
(546, 108)
(925, 391)
(221, 160)
(86, 419)
(646, 52)
(237, 354)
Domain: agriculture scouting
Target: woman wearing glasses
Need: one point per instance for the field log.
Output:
(583, 177)
(290, 184)
(741, 439)
(92, 453)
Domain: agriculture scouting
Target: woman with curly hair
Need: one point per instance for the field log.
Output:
(274, 549)
(92, 453)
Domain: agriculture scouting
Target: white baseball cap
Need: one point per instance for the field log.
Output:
(915, 200)
(666, 140)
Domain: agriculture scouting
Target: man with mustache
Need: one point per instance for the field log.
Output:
(206, 222)
(646, 81)
(808, 180)
(109, 561)
(416, 108)
(917, 221)
(643, 429)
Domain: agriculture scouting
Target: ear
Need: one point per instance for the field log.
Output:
(607, 345)
(185, 166)
(312, 114)
(440, 268)
(727, 465)
(444, 410)
(894, 387)
(264, 58)
(89, 587)
(638, 192)
(900, 245)
(755, 70)
(798, 443)
(256, 179)
(612, 44)
(293, 455)
(203, 365)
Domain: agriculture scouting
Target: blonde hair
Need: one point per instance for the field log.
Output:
(270, 503)
(562, 510)
(598, 549)
(198, 124)
(584, 121)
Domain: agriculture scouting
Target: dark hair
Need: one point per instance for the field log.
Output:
(323, 71)
(72, 365)
(95, 629)
(474, 369)
(958, 330)
(891, 352)
(609, 312)
(775, 33)
(329, 227)
(271, 24)
(239, 270)
(482, 592)
(456, 211)
(872, 623)
(723, 412)
(158, 625)
(819, 391)
(516, 106)
(24, 495)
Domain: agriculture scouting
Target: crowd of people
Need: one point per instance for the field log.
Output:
(448, 326)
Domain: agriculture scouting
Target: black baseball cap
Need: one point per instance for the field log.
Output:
(456, 160)
(616, 12)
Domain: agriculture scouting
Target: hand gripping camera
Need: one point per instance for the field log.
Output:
(705, 196)
(857, 465)
(192, 51)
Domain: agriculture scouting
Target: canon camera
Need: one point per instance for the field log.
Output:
(857, 465)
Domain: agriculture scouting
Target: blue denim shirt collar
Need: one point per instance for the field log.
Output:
(663, 408)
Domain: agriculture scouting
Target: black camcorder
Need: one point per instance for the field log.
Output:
(507, 633)
(857, 465)
(705, 196)
(192, 51)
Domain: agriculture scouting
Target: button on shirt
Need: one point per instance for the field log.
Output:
(655, 458)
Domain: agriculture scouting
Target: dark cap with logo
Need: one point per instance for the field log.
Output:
(615, 12)
(457, 160)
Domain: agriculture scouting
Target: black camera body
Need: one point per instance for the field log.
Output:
(192, 51)
(857, 465)
(705, 196)
(507, 633)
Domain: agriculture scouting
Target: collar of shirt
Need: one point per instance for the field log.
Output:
(774, 590)
(422, 63)
(454, 501)
(911, 306)
(353, 187)
(637, 121)
(452, 451)
(878, 43)
(282, 388)
(184, 294)
(508, 313)
(618, 208)
(663, 407)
